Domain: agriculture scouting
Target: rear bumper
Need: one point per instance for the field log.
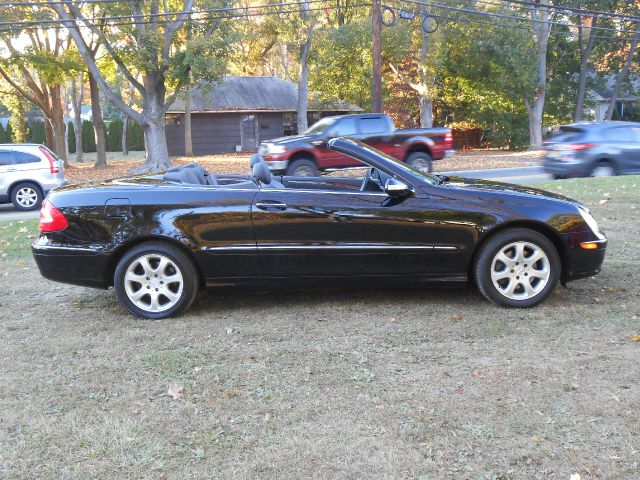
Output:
(85, 266)
(572, 168)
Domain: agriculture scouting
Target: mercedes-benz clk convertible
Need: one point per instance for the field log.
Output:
(158, 239)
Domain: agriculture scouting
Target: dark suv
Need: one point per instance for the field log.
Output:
(594, 149)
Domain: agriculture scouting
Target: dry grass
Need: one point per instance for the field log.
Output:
(371, 383)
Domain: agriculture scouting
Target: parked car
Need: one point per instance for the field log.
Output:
(158, 238)
(594, 149)
(27, 173)
(309, 153)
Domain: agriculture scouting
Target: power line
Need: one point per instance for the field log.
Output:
(560, 8)
(163, 15)
(64, 24)
(500, 15)
(59, 2)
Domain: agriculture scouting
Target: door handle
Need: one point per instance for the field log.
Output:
(266, 205)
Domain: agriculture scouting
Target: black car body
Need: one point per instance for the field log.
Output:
(396, 223)
(594, 149)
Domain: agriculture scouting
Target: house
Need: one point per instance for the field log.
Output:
(240, 112)
(627, 107)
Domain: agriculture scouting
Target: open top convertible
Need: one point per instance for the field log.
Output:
(159, 238)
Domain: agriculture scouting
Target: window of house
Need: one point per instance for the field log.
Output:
(174, 119)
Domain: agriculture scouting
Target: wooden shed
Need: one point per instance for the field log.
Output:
(240, 112)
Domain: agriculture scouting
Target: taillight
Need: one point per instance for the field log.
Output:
(53, 163)
(51, 219)
(577, 147)
(448, 138)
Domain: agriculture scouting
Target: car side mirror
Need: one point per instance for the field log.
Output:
(396, 188)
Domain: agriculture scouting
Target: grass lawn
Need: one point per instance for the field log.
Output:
(426, 383)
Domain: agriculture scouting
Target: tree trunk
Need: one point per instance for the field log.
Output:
(98, 123)
(426, 112)
(125, 131)
(535, 107)
(623, 73)
(585, 52)
(303, 85)
(76, 103)
(57, 122)
(376, 29)
(157, 157)
(188, 142)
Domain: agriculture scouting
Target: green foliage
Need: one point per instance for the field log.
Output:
(3, 135)
(71, 137)
(88, 137)
(114, 135)
(36, 132)
(9, 133)
(135, 136)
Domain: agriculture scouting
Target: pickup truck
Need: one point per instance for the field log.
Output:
(308, 155)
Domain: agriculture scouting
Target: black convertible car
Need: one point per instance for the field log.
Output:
(159, 238)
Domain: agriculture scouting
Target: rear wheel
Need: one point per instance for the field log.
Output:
(26, 196)
(155, 280)
(603, 169)
(517, 268)
(303, 167)
(421, 161)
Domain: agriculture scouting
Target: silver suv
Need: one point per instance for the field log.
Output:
(27, 173)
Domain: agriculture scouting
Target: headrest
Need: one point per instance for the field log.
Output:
(262, 173)
(254, 158)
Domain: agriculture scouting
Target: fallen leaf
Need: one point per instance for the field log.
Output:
(535, 439)
(575, 476)
(635, 338)
(175, 391)
(458, 390)
(457, 318)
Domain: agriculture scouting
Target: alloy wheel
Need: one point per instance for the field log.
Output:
(603, 171)
(153, 283)
(520, 270)
(26, 197)
(421, 164)
(304, 171)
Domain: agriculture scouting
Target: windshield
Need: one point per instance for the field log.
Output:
(320, 126)
(405, 168)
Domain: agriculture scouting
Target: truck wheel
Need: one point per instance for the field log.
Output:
(302, 168)
(421, 161)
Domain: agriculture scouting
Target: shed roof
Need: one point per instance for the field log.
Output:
(248, 94)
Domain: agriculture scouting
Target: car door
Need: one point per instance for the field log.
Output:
(377, 132)
(307, 232)
(344, 127)
(625, 147)
(7, 172)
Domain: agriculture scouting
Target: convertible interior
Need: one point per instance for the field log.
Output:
(194, 174)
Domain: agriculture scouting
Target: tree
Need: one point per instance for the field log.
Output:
(152, 47)
(77, 92)
(622, 75)
(586, 41)
(535, 101)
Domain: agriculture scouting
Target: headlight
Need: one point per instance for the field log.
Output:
(272, 149)
(589, 220)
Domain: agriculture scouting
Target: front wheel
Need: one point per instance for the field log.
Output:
(302, 168)
(155, 280)
(421, 161)
(517, 268)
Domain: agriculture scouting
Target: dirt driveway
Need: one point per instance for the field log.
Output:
(416, 383)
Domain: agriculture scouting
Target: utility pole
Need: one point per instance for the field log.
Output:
(376, 26)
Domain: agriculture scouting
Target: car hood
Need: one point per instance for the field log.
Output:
(472, 184)
(291, 139)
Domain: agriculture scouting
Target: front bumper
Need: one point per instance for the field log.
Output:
(276, 165)
(581, 262)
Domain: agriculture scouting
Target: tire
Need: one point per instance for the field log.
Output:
(603, 169)
(302, 167)
(141, 266)
(556, 176)
(26, 196)
(542, 276)
(421, 161)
